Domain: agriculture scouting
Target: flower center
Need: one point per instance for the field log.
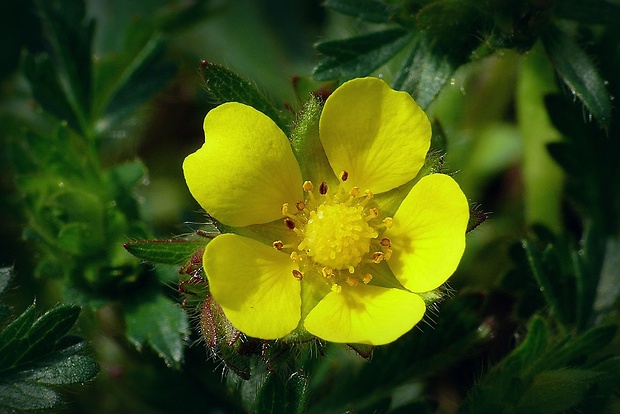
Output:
(336, 234)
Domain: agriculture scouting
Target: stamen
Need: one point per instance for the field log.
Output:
(296, 257)
(388, 221)
(289, 223)
(369, 197)
(367, 278)
(385, 242)
(297, 274)
(355, 192)
(323, 188)
(351, 269)
(278, 245)
(372, 213)
(377, 257)
(344, 176)
(300, 205)
(327, 272)
(351, 281)
(308, 187)
(285, 209)
(336, 288)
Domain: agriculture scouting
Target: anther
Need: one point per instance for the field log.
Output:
(285, 209)
(278, 245)
(297, 274)
(377, 257)
(367, 278)
(372, 213)
(385, 242)
(289, 223)
(388, 221)
(308, 187)
(351, 281)
(327, 272)
(300, 205)
(336, 288)
(323, 188)
(296, 257)
(355, 192)
(344, 176)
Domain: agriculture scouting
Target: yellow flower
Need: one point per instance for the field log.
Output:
(343, 254)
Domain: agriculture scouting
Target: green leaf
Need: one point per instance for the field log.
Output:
(29, 387)
(67, 366)
(552, 282)
(46, 88)
(577, 70)
(80, 239)
(557, 390)
(13, 338)
(374, 11)
(143, 76)
(426, 69)
(36, 354)
(359, 56)
(283, 395)
(160, 323)
(226, 86)
(70, 36)
(174, 251)
(48, 328)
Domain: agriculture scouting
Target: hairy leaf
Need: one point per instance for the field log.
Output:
(226, 86)
(359, 56)
(577, 70)
(160, 323)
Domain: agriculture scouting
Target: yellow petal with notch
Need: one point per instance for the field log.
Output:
(245, 170)
(378, 135)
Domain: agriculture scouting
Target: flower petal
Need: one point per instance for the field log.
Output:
(365, 314)
(245, 170)
(376, 134)
(254, 285)
(428, 233)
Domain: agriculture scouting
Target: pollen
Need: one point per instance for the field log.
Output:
(337, 236)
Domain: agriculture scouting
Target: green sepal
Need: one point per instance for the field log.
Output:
(359, 56)
(307, 146)
(282, 395)
(172, 251)
(579, 73)
(226, 86)
(363, 350)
